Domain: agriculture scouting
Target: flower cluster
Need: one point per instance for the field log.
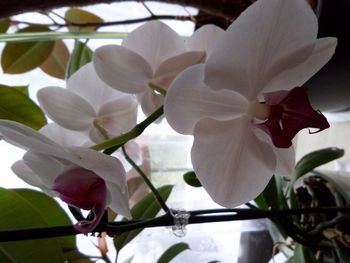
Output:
(238, 92)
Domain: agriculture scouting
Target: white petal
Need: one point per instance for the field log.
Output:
(118, 116)
(122, 69)
(119, 201)
(66, 108)
(89, 86)
(232, 164)
(26, 174)
(45, 167)
(107, 167)
(269, 37)
(155, 41)
(150, 101)
(64, 137)
(26, 138)
(285, 161)
(188, 100)
(297, 76)
(171, 67)
(204, 38)
(285, 157)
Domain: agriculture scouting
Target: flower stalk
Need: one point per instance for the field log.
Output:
(135, 132)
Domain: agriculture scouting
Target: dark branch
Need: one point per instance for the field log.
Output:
(196, 217)
(223, 8)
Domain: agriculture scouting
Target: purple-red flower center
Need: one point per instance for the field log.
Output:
(84, 189)
(290, 112)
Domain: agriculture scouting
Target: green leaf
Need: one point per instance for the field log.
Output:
(147, 207)
(56, 64)
(80, 56)
(303, 254)
(28, 209)
(315, 159)
(16, 106)
(22, 57)
(80, 16)
(191, 179)
(4, 25)
(273, 198)
(172, 252)
(23, 89)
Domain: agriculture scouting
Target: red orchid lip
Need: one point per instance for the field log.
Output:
(84, 189)
(290, 112)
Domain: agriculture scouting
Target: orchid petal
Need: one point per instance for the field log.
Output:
(122, 69)
(66, 108)
(44, 166)
(118, 201)
(285, 161)
(26, 138)
(107, 167)
(285, 157)
(204, 38)
(26, 174)
(155, 42)
(89, 86)
(64, 137)
(188, 100)
(118, 116)
(232, 164)
(150, 101)
(298, 75)
(171, 67)
(261, 43)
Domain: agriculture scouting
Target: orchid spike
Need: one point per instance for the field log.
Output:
(271, 47)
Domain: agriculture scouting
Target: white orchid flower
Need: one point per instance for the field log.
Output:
(79, 176)
(89, 105)
(150, 57)
(270, 49)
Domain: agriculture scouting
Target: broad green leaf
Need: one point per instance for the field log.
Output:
(16, 106)
(30, 209)
(148, 207)
(79, 16)
(315, 159)
(273, 198)
(191, 179)
(22, 57)
(303, 254)
(172, 252)
(56, 64)
(4, 25)
(80, 56)
(49, 36)
(23, 89)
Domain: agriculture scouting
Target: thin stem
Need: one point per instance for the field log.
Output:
(111, 23)
(117, 142)
(147, 181)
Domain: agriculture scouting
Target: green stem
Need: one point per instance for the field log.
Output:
(147, 181)
(135, 132)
